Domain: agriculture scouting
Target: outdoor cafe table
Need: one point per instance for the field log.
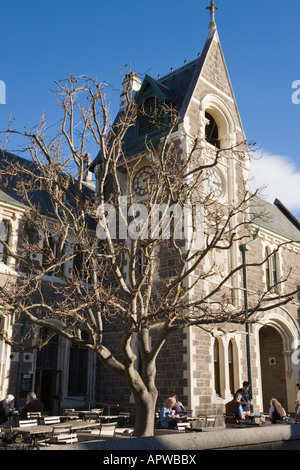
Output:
(254, 418)
(184, 418)
(88, 413)
(41, 430)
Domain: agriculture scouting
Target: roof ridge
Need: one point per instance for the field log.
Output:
(180, 68)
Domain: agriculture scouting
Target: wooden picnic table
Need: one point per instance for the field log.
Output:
(98, 414)
(37, 430)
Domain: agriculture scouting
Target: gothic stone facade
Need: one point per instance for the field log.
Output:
(204, 370)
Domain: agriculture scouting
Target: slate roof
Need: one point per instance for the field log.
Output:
(178, 87)
(39, 198)
(276, 218)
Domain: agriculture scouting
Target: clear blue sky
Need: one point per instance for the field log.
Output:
(43, 41)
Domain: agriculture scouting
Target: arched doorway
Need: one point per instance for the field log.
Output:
(272, 363)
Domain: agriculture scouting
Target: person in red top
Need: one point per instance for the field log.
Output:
(33, 404)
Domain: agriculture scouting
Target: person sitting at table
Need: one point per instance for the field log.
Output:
(166, 414)
(6, 409)
(33, 404)
(178, 407)
(276, 412)
(234, 407)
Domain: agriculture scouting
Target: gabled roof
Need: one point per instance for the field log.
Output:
(39, 198)
(177, 87)
(153, 87)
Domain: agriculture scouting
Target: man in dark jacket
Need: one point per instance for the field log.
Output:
(33, 404)
(6, 408)
(234, 408)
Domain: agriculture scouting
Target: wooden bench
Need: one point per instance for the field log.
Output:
(106, 431)
(27, 422)
(124, 432)
(63, 439)
(34, 415)
(48, 420)
(181, 427)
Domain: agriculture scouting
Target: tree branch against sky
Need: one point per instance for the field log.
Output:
(120, 281)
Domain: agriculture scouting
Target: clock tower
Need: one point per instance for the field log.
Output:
(209, 368)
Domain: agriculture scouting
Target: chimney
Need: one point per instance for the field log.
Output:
(87, 175)
(131, 84)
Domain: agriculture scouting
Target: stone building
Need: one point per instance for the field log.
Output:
(202, 369)
(59, 372)
(205, 370)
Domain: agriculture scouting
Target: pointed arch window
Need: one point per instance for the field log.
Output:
(271, 267)
(231, 367)
(211, 131)
(48, 355)
(4, 234)
(78, 369)
(217, 367)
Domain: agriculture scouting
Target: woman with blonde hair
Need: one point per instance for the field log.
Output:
(166, 414)
(277, 412)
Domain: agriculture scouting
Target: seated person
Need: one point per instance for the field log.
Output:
(234, 407)
(33, 404)
(6, 408)
(166, 414)
(178, 407)
(276, 412)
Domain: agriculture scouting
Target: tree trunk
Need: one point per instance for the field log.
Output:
(145, 414)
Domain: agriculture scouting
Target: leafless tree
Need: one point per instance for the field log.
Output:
(120, 283)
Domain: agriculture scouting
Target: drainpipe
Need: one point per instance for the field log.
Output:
(244, 248)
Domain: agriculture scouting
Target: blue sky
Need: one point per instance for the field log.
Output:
(44, 41)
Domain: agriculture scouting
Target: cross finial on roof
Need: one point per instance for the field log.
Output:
(212, 9)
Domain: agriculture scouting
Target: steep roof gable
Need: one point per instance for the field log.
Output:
(152, 87)
(211, 76)
(207, 73)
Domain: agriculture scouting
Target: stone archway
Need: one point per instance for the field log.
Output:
(272, 363)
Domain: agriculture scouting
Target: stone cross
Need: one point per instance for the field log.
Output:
(212, 10)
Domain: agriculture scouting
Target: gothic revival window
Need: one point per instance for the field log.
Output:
(78, 369)
(53, 252)
(217, 367)
(80, 268)
(47, 356)
(78, 262)
(4, 234)
(231, 367)
(271, 268)
(49, 250)
(211, 131)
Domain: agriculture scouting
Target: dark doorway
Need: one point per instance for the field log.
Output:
(48, 386)
(272, 367)
(48, 378)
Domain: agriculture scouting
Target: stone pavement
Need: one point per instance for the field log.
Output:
(269, 436)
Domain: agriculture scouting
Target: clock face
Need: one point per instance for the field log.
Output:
(215, 182)
(143, 180)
